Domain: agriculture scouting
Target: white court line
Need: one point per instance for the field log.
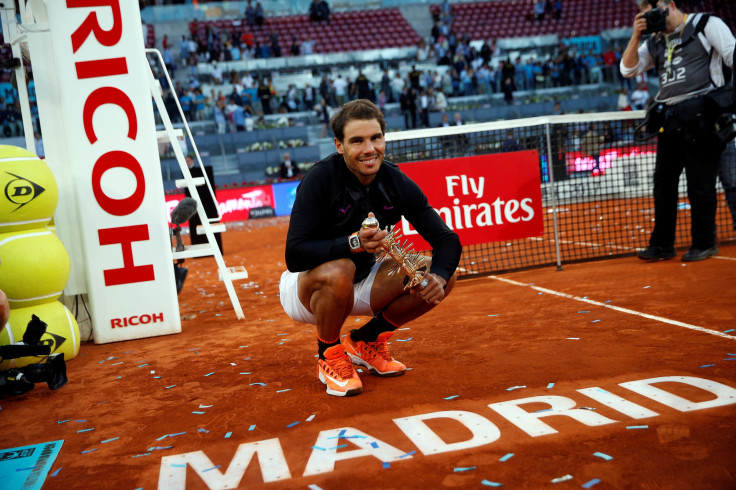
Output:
(616, 308)
(724, 258)
(583, 244)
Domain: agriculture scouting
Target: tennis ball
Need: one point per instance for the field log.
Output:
(34, 267)
(62, 331)
(28, 190)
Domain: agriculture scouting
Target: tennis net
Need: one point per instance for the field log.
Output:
(589, 213)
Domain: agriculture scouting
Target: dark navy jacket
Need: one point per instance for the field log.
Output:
(331, 204)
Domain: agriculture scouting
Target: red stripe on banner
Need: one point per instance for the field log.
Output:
(101, 68)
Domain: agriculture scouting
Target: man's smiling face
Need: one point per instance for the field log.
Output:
(362, 148)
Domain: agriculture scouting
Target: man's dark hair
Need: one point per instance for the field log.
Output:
(362, 109)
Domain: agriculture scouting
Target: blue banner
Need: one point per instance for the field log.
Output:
(284, 194)
(27, 467)
(583, 44)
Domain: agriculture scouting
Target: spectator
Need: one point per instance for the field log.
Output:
(510, 143)
(408, 104)
(424, 107)
(307, 46)
(386, 86)
(216, 73)
(292, 98)
(199, 102)
(446, 142)
(508, 91)
(381, 101)
(219, 115)
(323, 111)
(539, 10)
(275, 46)
(295, 47)
(340, 89)
(238, 117)
(446, 11)
(265, 92)
(558, 9)
(259, 16)
(640, 97)
(414, 77)
(325, 89)
(184, 50)
(363, 86)
(309, 97)
(169, 63)
(250, 14)
(319, 11)
(288, 169)
(186, 102)
(591, 145)
(397, 86)
(440, 101)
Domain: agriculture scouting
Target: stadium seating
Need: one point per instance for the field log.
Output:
(342, 33)
(504, 19)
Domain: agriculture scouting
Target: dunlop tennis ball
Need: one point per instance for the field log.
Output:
(28, 190)
(62, 331)
(34, 267)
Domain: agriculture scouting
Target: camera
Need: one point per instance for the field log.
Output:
(656, 18)
(725, 127)
(52, 371)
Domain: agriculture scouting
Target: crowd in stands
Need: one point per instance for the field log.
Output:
(470, 72)
(460, 70)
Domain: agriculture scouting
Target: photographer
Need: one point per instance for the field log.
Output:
(687, 51)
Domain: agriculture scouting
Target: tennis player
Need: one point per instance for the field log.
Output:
(332, 272)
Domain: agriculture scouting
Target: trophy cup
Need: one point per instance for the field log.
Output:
(406, 258)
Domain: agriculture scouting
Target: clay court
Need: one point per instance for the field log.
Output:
(173, 411)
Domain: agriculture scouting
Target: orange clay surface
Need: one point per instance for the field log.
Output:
(222, 384)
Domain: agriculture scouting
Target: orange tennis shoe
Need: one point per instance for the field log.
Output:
(373, 355)
(337, 372)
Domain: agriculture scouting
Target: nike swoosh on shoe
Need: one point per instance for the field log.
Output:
(341, 384)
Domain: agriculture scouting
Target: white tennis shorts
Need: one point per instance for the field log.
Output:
(297, 311)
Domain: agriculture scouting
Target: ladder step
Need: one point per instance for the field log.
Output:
(235, 273)
(191, 251)
(216, 228)
(163, 136)
(182, 183)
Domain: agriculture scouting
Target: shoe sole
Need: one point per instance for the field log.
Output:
(687, 259)
(357, 360)
(661, 257)
(330, 391)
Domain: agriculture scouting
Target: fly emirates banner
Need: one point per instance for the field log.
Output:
(485, 198)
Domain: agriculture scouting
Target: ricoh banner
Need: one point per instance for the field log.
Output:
(110, 149)
(485, 198)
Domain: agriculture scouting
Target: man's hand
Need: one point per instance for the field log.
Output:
(370, 238)
(434, 291)
(640, 25)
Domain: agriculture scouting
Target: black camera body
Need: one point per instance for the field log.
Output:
(17, 381)
(656, 18)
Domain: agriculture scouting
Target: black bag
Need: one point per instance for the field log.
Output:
(686, 118)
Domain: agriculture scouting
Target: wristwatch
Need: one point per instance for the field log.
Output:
(354, 243)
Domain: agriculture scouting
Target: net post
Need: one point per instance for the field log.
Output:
(553, 198)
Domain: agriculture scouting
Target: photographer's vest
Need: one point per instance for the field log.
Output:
(682, 61)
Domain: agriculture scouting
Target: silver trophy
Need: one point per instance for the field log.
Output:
(407, 260)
